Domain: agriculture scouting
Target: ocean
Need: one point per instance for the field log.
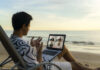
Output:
(81, 41)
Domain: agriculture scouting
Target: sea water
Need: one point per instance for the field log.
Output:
(81, 41)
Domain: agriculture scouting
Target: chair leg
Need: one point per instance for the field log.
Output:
(7, 60)
(45, 63)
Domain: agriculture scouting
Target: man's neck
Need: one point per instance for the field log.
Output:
(18, 33)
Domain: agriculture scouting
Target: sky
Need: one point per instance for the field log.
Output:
(54, 14)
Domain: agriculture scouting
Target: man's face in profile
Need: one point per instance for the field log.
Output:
(25, 29)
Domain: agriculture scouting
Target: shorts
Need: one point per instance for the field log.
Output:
(62, 65)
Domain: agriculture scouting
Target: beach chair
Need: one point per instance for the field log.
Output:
(16, 57)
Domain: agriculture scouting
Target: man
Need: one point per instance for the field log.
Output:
(21, 25)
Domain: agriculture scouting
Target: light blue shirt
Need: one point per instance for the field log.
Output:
(25, 50)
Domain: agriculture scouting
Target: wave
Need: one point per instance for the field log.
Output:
(83, 43)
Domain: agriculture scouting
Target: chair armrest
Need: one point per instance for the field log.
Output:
(45, 63)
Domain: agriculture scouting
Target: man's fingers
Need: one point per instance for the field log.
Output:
(31, 41)
(41, 46)
(39, 39)
(32, 38)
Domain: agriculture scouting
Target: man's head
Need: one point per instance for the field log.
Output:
(21, 21)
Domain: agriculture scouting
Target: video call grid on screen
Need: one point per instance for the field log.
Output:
(56, 41)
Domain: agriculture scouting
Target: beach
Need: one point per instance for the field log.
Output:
(88, 59)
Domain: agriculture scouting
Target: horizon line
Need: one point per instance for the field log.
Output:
(55, 30)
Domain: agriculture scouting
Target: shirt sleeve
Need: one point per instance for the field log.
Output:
(27, 52)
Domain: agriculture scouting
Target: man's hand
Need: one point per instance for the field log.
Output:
(62, 53)
(38, 46)
(39, 52)
(35, 42)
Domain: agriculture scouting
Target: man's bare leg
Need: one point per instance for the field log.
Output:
(68, 57)
(78, 66)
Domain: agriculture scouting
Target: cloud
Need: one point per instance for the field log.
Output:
(68, 8)
(60, 13)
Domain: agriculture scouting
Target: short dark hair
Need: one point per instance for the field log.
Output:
(20, 18)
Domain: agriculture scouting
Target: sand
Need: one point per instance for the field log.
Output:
(87, 59)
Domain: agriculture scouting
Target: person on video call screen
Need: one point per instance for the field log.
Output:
(51, 41)
(56, 41)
